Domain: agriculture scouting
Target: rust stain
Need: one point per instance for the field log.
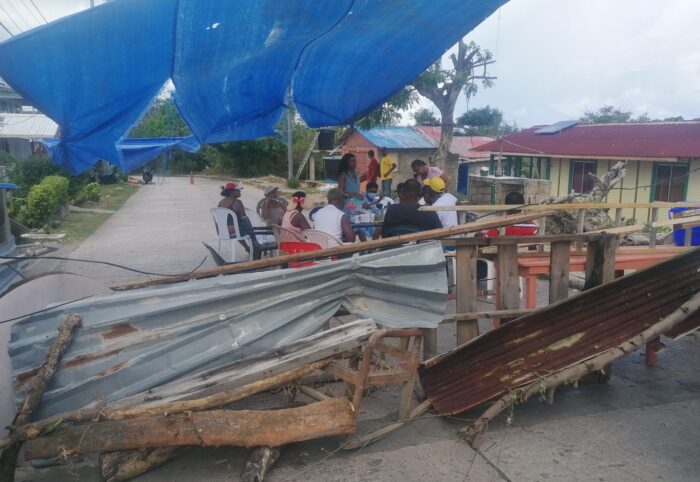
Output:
(110, 370)
(119, 330)
(560, 335)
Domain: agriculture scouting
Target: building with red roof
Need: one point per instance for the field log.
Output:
(663, 159)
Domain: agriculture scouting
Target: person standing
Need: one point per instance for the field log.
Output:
(436, 196)
(386, 170)
(372, 168)
(421, 171)
(348, 180)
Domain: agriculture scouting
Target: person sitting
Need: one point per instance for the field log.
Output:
(435, 195)
(421, 172)
(373, 201)
(332, 220)
(294, 219)
(405, 216)
(272, 207)
(231, 194)
(524, 228)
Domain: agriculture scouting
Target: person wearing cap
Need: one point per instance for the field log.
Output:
(405, 217)
(435, 195)
(272, 207)
(332, 220)
(231, 194)
(294, 219)
(422, 171)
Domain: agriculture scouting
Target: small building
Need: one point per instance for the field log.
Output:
(10, 101)
(405, 144)
(20, 134)
(663, 159)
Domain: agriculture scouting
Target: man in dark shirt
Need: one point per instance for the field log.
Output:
(405, 217)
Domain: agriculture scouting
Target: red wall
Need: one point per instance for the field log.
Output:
(357, 144)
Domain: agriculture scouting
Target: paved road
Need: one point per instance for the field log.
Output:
(160, 229)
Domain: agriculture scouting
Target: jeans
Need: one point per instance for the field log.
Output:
(386, 187)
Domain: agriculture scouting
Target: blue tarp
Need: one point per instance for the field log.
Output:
(137, 152)
(232, 63)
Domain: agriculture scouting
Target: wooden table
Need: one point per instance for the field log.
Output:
(531, 265)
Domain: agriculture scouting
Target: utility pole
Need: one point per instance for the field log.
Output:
(290, 137)
(92, 3)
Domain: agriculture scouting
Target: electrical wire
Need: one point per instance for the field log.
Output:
(6, 29)
(19, 14)
(7, 14)
(107, 263)
(44, 310)
(31, 12)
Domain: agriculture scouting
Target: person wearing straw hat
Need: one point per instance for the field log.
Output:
(294, 219)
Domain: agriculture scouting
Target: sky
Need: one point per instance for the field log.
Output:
(555, 59)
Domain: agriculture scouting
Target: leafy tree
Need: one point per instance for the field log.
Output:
(485, 121)
(161, 120)
(607, 114)
(443, 86)
(389, 113)
(425, 117)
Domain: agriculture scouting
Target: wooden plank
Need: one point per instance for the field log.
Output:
(618, 217)
(600, 262)
(245, 428)
(508, 281)
(547, 239)
(652, 229)
(466, 292)
(332, 252)
(559, 271)
(676, 223)
(493, 314)
(569, 206)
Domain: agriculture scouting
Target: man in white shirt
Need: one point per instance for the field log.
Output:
(437, 196)
(332, 220)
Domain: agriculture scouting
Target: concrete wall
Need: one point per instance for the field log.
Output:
(493, 190)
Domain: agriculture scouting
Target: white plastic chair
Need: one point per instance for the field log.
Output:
(258, 222)
(284, 235)
(220, 216)
(321, 238)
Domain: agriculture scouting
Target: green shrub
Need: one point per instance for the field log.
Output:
(44, 200)
(93, 192)
(293, 183)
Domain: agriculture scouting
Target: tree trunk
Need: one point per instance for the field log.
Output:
(446, 132)
(120, 466)
(245, 428)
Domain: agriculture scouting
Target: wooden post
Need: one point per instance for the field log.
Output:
(618, 217)
(312, 168)
(652, 230)
(541, 232)
(559, 271)
(600, 261)
(580, 223)
(465, 276)
(509, 286)
(31, 403)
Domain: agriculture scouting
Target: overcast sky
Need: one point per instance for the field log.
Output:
(557, 58)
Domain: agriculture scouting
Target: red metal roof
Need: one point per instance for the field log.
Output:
(652, 140)
(461, 145)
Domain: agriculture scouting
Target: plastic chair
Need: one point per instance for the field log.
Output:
(321, 238)
(291, 247)
(257, 222)
(221, 216)
(283, 235)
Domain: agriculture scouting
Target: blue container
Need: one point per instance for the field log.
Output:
(463, 178)
(679, 234)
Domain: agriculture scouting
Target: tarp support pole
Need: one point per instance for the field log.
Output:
(290, 137)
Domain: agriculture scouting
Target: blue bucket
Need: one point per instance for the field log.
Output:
(679, 234)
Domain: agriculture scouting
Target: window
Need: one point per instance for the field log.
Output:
(670, 182)
(579, 180)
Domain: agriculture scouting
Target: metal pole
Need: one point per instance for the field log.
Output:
(92, 3)
(290, 154)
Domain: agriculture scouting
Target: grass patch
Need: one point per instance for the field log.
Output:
(78, 226)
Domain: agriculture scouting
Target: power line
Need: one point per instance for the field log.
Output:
(31, 12)
(39, 11)
(19, 15)
(6, 29)
(19, 29)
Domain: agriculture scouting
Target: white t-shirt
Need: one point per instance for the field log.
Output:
(328, 219)
(447, 218)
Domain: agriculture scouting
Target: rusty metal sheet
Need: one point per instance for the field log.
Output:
(559, 335)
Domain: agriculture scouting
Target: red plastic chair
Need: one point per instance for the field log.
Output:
(292, 247)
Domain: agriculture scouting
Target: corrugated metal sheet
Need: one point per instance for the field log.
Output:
(637, 141)
(399, 137)
(136, 340)
(558, 336)
(27, 126)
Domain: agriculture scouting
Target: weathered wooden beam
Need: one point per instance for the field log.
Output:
(331, 252)
(567, 206)
(121, 466)
(8, 460)
(559, 271)
(465, 275)
(259, 463)
(245, 428)
(600, 262)
(508, 281)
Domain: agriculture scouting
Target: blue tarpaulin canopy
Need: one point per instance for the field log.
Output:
(232, 64)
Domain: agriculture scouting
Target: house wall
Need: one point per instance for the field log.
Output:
(18, 148)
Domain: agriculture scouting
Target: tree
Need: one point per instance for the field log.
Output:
(161, 120)
(485, 121)
(607, 114)
(389, 113)
(443, 86)
(425, 117)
